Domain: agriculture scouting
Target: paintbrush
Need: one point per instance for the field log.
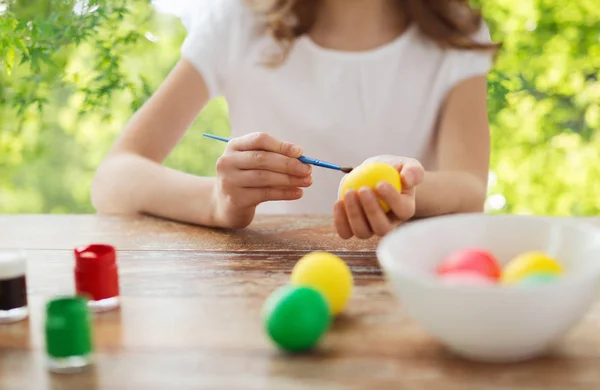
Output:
(304, 159)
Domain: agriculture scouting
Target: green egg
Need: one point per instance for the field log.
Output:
(296, 318)
(538, 278)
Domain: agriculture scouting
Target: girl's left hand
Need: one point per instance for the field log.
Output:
(360, 214)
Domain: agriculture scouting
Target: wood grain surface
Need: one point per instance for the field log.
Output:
(190, 317)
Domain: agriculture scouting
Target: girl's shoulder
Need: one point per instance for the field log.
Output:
(474, 62)
(218, 34)
(462, 63)
(481, 36)
(220, 15)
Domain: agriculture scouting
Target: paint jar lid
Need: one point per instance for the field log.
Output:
(12, 264)
(96, 274)
(68, 327)
(95, 257)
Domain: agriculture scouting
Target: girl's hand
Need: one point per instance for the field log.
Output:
(360, 214)
(253, 169)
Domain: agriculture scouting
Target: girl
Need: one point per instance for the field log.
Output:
(400, 81)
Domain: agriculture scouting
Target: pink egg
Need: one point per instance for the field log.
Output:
(469, 278)
(471, 260)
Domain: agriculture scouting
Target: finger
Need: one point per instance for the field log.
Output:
(341, 220)
(262, 178)
(261, 160)
(402, 205)
(412, 172)
(378, 220)
(255, 196)
(266, 142)
(356, 216)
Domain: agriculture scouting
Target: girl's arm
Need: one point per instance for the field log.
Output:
(254, 168)
(132, 180)
(460, 183)
(458, 186)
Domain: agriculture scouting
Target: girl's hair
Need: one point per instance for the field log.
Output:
(450, 23)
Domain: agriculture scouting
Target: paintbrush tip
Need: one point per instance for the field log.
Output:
(346, 169)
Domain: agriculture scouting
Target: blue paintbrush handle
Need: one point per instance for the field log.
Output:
(306, 160)
(216, 137)
(319, 163)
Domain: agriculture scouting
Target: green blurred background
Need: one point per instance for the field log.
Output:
(72, 73)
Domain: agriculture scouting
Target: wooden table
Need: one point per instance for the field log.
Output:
(190, 317)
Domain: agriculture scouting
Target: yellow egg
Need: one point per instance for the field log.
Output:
(530, 263)
(327, 274)
(369, 175)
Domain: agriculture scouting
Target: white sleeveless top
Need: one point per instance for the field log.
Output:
(341, 107)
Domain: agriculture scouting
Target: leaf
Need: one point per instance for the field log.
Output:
(9, 59)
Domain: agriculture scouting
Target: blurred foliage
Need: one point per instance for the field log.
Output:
(544, 106)
(73, 72)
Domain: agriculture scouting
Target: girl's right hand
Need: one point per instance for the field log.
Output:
(254, 169)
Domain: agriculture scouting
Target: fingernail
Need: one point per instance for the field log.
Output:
(296, 150)
(382, 187)
(409, 178)
(305, 168)
(364, 190)
(307, 180)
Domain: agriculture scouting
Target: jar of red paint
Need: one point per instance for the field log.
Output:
(97, 276)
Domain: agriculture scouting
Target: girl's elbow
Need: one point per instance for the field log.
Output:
(101, 196)
(478, 206)
(104, 192)
(476, 203)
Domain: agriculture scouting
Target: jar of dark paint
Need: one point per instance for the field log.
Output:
(13, 287)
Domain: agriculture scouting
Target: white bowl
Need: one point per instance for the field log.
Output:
(493, 323)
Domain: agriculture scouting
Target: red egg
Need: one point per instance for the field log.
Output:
(471, 260)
